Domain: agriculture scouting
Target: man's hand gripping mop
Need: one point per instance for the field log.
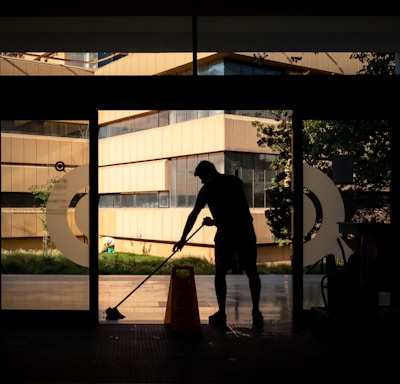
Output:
(113, 313)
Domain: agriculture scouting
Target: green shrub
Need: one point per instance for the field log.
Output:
(118, 263)
(115, 263)
(34, 262)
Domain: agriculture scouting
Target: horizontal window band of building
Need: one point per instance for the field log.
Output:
(46, 127)
(157, 119)
(26, 200)
(148, 120)
(136, 200)
(253, 169)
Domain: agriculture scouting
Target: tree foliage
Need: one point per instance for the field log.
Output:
(367, 142)
(42, 193)
(278, 138)
(375, 63)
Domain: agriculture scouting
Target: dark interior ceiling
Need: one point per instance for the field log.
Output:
(199, 27)
(179, 8)
(315, 97)
(121, 26)
(214, 33)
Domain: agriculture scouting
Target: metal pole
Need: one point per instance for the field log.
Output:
(194, 44)
(297, 218)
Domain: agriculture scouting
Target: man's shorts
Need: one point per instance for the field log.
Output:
(231, 248)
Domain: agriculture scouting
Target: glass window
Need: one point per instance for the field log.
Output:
(163, 118)
(105, 201)
(147, 200)
(191, 179)
(52, 229)
(117, 201)
(180, 116)
(19, 200)
(248, 178)
(216, 112)
(172, 117)
(146, 122)
(203, 113)
(232, 163)
(181, 180)
(173, 183)
(215, 69)
(46, 128)
(254, 170)
(191, 115)
(232, 68)
(127, 200)
(163, 199)
(259, 187)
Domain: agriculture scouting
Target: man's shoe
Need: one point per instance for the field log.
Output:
(258, 320)
(218, 319)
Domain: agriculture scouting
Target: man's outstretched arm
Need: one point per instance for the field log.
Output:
(207, 221)
(187, 228)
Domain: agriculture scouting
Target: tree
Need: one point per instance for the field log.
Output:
(279, 197)
(369, 144)
(42, 193)
(375, 63)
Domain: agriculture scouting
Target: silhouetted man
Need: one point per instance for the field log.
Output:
(235, 236)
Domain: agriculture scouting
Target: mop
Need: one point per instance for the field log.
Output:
(114, 313)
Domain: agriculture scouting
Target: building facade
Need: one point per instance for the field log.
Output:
(147, 157)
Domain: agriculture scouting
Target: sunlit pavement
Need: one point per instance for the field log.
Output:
(147, 303)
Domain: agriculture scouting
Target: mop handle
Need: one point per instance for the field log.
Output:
(152, 273)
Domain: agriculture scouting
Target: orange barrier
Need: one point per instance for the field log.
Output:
(182, 312)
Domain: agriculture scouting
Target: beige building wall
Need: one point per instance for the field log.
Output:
(125, 168)
(46, 150)
(135, 162)
(211, 134)
(20, 223)
(148, 64)
(126, 164)
(105, 116)
(166, 224)
(138, 229)
(20, 156)
(12, 66)
(138, 177)
(269, 253)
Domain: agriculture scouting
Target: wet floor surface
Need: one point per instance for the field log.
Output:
(148, 303)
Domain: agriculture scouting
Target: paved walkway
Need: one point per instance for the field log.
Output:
(148, 303)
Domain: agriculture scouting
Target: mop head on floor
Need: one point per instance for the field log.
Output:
(113, 314)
